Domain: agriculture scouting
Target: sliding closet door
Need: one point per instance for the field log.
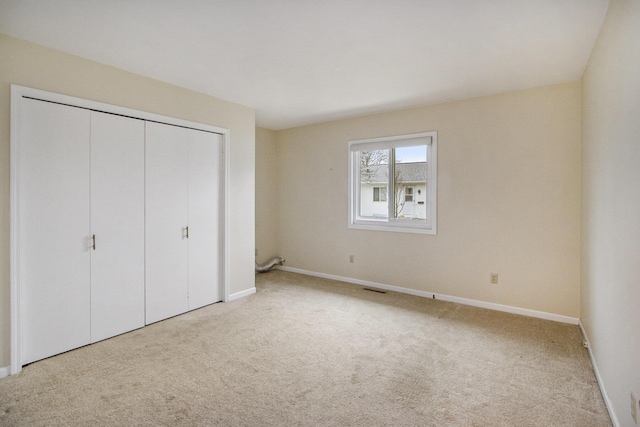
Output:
(54, 246)
(117, 221)
(166, 196)
(205, 218)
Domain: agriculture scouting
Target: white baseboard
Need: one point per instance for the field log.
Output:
(603, 391)
(241, 294)
(4, 371)
(465, 301)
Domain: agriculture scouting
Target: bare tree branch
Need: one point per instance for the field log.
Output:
(370, 160)
(398, 190)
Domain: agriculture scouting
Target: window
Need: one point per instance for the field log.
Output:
(408, 194)
(393, 183)
(379, 194)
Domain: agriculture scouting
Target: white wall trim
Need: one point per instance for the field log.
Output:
(464, 301)
(242, 294)
(603, 391)
(226, 216)
(109, 108)
(15, 356)
(4, 371)
(17, 94)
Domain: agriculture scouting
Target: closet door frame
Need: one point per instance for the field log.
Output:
(18, 93)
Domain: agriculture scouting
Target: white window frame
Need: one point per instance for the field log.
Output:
(430, 139)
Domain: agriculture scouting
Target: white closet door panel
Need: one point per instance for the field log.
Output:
(117, 221)
(54, 229)
(205, 219)
(166, 197)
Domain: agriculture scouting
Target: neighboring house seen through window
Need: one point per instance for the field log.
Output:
(393, 183)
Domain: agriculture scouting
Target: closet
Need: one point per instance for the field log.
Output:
(183, 220)
(117, 225)
(55, 228)
(110, 238)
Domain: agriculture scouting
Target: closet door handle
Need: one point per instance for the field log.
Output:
(187, 229)
(93, 240)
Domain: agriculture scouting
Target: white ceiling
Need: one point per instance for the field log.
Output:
(305, 61)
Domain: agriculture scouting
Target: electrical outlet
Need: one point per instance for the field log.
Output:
(352, 259)
(493, 278)
(635, 408)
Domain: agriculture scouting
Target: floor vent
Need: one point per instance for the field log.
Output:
(375, 290)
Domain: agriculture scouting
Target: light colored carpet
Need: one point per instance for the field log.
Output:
(305, 351)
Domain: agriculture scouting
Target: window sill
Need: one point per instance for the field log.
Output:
(393, 228)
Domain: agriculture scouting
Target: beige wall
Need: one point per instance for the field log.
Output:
(508, 201)
(266, 195)
(34, 66)
(611, 205)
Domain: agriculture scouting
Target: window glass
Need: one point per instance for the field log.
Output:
(374, 171)
(410, 175)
